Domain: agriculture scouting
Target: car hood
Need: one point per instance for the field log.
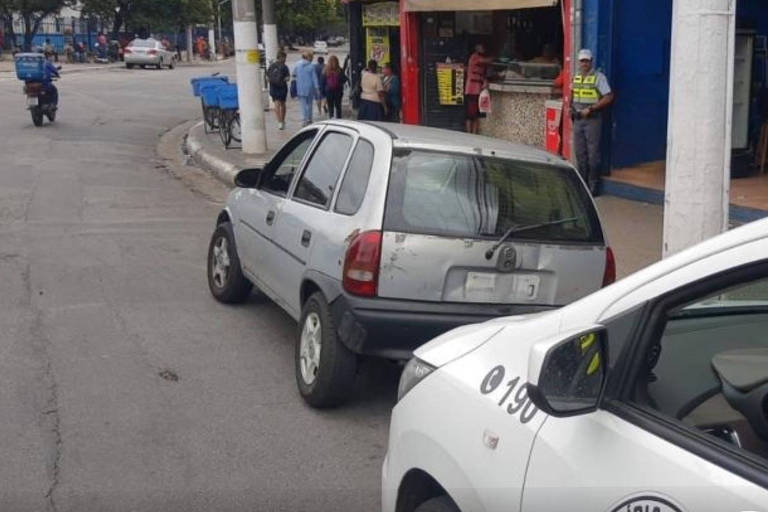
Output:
(463, 340)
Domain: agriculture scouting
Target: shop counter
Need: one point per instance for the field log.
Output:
(518, 111)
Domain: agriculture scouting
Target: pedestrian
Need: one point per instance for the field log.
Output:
(591, 95)
(372, 95)
(278, 76)
(477, 70)
(50, 52)
(320, 72)
(392, 87)
(306, 86)
(334, 86)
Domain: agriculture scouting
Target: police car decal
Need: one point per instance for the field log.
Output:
(514, 394)
(646, 504)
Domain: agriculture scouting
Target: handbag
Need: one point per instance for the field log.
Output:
(294, 89)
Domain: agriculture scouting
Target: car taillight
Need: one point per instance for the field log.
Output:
(152, 52)
(609, 276)
(361, 265)
(127, 50)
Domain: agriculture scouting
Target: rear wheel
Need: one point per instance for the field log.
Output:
(172, 64)
(325, 368)
(234, 128)
(225, 119)
(225, 276)
(37, 116)
(51, 114)
(129, 66)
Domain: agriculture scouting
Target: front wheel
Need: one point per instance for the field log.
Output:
(225, 119)
(37, 116)
(225, 276)
(325, 368)
(439, 504)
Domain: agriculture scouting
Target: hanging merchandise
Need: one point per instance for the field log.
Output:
(484, 102)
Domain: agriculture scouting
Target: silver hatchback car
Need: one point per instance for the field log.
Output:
(378, 237)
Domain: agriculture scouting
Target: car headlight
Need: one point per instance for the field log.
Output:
(415, 371)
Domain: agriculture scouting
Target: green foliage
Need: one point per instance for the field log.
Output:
(157, 15)
(307, 17)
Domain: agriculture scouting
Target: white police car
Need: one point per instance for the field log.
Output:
(650, 395)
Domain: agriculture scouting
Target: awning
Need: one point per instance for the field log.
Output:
(474, 5)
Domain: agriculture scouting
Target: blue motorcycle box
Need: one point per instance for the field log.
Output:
(30, 67)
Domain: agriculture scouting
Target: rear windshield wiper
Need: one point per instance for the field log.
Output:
(517, 229)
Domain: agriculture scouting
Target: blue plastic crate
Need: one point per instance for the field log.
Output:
(198, 82)
(210, 94)
(30, 67)
(228, 97)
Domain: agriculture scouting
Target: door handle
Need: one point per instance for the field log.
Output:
(306, 236)
(270, 217)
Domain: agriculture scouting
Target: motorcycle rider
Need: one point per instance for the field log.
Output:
(50, 71)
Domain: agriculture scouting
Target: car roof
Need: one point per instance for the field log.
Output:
(424, 137)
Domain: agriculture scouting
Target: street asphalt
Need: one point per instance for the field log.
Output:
(123, 385)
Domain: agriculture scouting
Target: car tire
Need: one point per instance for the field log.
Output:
(172, 64)
(129, 66)
(225, 276)
(142, 66)
(440, 504)
(325, 368)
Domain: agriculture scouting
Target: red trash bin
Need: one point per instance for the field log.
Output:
(554, 116)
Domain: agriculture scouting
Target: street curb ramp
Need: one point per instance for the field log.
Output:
(223, 170)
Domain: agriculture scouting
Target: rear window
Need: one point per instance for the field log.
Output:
(479, 197)
(143, 43)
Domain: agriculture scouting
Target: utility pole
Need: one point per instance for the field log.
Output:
(189, 43)
(212, 41)
(270, 30)
(249, 79)
(699, 128)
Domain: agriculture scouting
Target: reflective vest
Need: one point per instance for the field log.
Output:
(585, 89)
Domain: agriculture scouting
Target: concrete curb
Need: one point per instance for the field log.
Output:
(220, 168)
(72, 70)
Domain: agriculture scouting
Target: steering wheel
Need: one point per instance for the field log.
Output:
(744, 377)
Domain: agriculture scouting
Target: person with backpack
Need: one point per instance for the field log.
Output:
(334, 86)
(320, 71)
(278, 76)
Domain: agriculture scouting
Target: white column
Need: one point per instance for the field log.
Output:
(189, 43)
(249, 79)
(699, 128)
(212, 41)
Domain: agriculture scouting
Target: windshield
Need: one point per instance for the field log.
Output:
(474, 196)
(143, 43)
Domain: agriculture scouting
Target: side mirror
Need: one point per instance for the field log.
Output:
(570, 375)
(248, 178)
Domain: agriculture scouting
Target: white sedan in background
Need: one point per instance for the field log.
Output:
(649, 395)
(148, 52)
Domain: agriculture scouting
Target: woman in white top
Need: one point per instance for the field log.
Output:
(372, 95)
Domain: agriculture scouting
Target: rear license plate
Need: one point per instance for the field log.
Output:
(526, 286)
(32, 101)
(486, 287)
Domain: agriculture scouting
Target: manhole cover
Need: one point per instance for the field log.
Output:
(169, 375)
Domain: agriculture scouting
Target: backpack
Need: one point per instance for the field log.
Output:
(332, 81)
(275, 75)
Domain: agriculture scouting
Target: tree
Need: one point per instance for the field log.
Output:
(32, 13)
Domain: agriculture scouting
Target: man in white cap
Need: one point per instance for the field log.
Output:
(591, 94)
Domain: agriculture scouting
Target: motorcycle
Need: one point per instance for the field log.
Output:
(40, 103)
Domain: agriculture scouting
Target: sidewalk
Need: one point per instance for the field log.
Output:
(7, 66)
(208, 151)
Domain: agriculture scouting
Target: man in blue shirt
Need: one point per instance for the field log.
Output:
(307, 86)
(392, 87)
(49, 72)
